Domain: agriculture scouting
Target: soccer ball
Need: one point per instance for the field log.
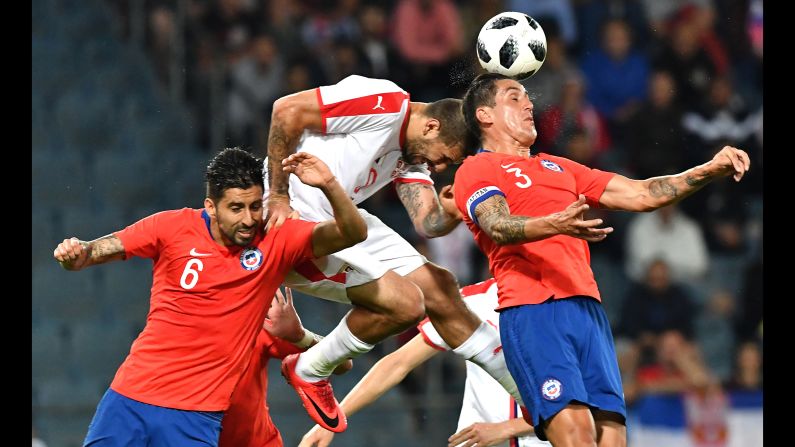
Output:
(513, 44)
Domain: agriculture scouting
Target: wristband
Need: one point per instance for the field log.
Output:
(309, 339)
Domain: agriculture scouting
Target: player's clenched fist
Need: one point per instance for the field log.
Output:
(71, 253)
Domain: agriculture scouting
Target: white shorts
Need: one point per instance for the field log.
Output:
(383, 250)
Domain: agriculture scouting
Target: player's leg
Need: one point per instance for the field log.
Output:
(611, 429)
(542, 349)
(471, 338)
(382, 307)
(115, 423)
(603, 381)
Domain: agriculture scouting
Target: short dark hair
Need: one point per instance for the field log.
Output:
(453, 128)
(481, 92)
(232, 168)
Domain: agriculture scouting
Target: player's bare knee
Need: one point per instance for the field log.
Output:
(439, 287)
(408, 307)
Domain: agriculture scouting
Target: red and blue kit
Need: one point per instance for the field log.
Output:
(207, 305)
(555, 267)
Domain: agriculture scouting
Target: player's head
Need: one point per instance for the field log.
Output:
(496, 106)
(234, 195)
(441, 139)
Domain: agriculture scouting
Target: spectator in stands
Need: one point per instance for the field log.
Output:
(669, 235)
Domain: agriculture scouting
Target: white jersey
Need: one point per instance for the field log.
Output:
(485, 400)
(364, 128)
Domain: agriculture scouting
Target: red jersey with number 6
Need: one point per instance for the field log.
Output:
(555, 267)
(207, 305)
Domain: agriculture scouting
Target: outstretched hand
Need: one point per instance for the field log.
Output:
(309, 169)
(734, 161)
(283, 320)
(571, 222)
(317, 436)
(71, 254)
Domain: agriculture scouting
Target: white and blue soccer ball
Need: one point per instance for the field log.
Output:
(513, 44)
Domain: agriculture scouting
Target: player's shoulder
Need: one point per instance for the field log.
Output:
(477, 162)
(358, 86)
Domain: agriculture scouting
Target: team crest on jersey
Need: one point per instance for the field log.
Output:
(551, 165)
(251, 258)
(551, 389)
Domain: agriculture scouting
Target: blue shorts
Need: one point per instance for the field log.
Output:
(121, 421)
(561, 351)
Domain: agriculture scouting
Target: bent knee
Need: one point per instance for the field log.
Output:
(439, 286)
(409, 305)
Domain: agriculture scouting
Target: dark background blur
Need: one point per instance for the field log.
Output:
(130, 99)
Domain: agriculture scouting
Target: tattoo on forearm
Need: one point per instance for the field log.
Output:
(662, 188)
(692, 180)
(436, 222)
(106, 247)
(280, 145)
(496, 220)
(409, 194)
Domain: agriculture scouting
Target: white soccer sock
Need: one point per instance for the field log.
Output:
(484, 349)
(317, 362)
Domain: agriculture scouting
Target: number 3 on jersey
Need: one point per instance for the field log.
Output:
(518, 173)
(190, 276)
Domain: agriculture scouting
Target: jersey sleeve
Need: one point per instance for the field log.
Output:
(473, 184)
(142, 239)
(360, 104)
(590, 182)
(431, 336)
(297, 237)
(275, 347)
(407, 173)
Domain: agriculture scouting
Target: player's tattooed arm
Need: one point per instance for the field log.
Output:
(504, 228)
(626, 194)
(425, 211)
(496, 220)
(280, 146)
(292, 114)
(74, 254)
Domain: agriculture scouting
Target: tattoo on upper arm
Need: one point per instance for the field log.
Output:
(662, 187)
(436, 222)
(410, 195)
(494, 217)
(279, 146)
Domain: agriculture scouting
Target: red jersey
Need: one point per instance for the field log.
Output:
(557, 266)
(247, 421)
(207, 304)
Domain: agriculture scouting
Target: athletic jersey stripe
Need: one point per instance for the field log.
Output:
(477, 288)
(479, 196)
(309, 270)
(413, 180)
(428, 340)
(514, 442)
(323, 126)
(365, 105)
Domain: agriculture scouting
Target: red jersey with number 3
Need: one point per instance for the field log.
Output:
(247, 421)
(207, 305)
(543, 184)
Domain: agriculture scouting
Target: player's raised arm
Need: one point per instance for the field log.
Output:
(292, 114)
(348, 227)
(429, 217)
(74, 254)
(626, 194)
(383, 376)
(504, 228)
